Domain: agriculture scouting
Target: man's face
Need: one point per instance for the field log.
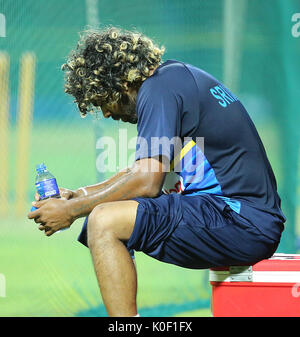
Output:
(124, 110)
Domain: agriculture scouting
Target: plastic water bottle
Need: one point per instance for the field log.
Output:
(45, 184)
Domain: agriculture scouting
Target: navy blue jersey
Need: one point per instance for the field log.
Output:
(220, 152)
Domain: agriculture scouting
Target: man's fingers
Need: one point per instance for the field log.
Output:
(38, 220)
(49, 232)
(38, 204)
(37, 196)
(36, 213)
(65, 193)
(33, 214)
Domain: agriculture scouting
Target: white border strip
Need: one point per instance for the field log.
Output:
(258, 276)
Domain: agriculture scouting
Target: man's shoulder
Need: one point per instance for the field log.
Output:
(169, 68)
(170, 75)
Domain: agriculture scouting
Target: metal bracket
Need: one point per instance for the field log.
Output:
(240, 274)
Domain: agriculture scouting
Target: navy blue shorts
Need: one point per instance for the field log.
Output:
(195, 232)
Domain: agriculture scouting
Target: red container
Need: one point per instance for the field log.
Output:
(269, 288)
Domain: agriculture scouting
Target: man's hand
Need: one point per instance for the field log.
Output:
(64, 193)
(53, 214)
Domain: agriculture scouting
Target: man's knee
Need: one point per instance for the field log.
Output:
(100, 224)
(112, 220)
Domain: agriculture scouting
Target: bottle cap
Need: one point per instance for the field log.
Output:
(40, 167)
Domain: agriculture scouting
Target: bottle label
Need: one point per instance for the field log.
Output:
(47, 188)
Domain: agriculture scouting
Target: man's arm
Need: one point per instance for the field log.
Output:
(96, 187)
(144, 179)
(70, 194)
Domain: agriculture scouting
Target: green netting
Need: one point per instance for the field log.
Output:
(253, 46)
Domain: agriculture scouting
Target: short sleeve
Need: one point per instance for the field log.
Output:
(159, 119)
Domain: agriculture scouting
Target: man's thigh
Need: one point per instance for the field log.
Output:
(120, 215)
(117, 217)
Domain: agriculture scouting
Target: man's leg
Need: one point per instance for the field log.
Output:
(109, 225)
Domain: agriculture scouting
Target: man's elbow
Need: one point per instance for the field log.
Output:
(149, 183)
(149, 189)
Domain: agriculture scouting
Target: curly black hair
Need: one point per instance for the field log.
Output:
(103, 61)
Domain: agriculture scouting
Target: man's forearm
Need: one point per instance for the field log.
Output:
(91, 189)
(124, 186)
